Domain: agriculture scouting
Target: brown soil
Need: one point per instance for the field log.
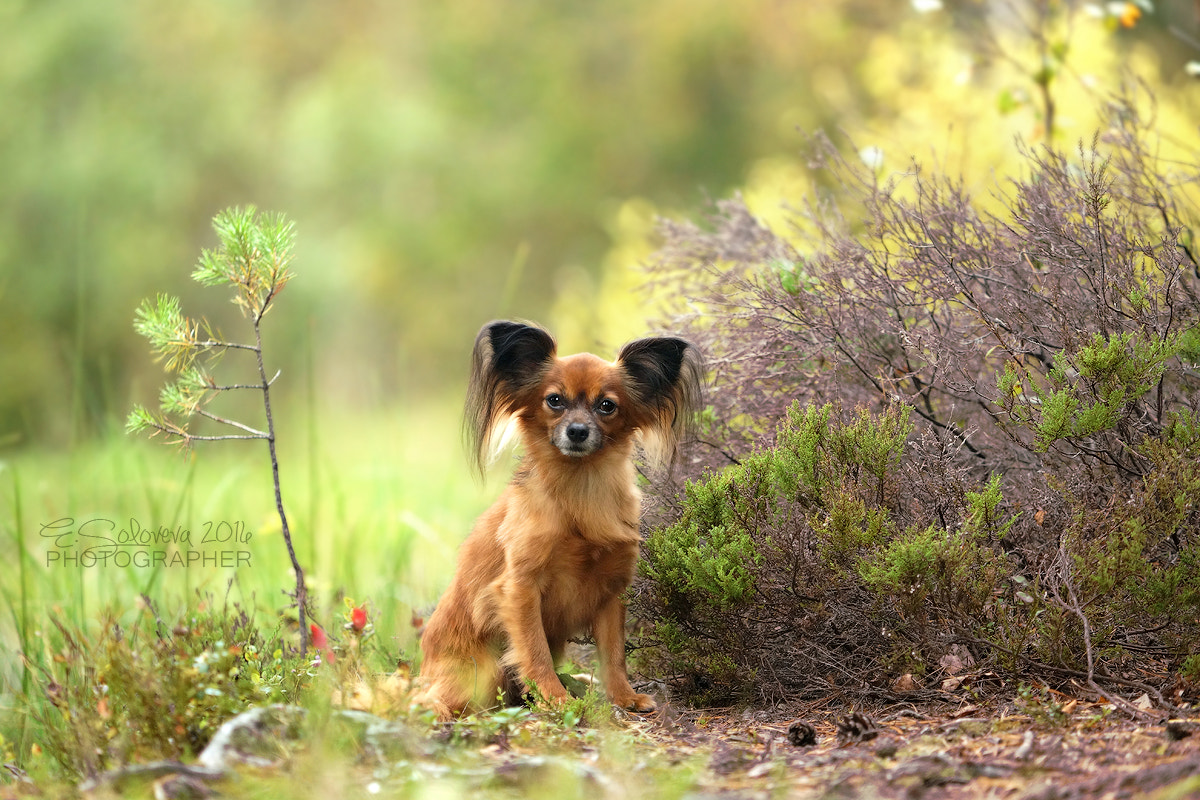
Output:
(1072, 751)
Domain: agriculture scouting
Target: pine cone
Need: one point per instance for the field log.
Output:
(857, 727)
(801, 734)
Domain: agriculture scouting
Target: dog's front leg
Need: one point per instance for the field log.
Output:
(521, 611)
(609, 632)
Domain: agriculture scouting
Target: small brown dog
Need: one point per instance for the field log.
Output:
(551, 558)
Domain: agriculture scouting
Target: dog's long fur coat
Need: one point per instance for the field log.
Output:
(552, 557)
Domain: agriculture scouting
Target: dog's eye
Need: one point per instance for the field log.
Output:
(556, 402)
(606, 406)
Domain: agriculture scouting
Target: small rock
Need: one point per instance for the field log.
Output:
(254, 737)
(180, 787)
(922, 772)
(726, 759)
(1023, 752)
(887, 747)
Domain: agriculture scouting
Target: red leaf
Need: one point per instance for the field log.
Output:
(319, 640)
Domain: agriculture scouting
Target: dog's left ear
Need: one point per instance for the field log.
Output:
(663, 375)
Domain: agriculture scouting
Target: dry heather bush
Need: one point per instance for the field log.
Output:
(1043, 345)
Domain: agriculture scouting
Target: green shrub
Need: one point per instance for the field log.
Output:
(935, 572)
(810, 553)
(157, 690)
(939, 581)
(1036, 497)
(1090, 390)
(781, 541)
(1135, 564)
(820, 484)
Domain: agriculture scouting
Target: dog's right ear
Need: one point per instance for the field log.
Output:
(509, 361)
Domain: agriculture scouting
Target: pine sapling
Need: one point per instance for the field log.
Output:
(254, 257)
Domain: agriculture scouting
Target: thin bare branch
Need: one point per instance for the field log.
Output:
(254, 432)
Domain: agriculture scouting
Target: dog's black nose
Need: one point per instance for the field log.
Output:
(577, 432)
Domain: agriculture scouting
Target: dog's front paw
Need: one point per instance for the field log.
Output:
(641, 703)
(548, 695)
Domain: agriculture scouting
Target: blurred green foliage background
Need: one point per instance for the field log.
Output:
(455, 161)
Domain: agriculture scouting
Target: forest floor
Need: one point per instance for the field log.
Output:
(930, 753)
(1036, 745)
(1033, 748)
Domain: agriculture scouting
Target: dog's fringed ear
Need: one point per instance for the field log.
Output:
(508, 362)
(664, 377)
